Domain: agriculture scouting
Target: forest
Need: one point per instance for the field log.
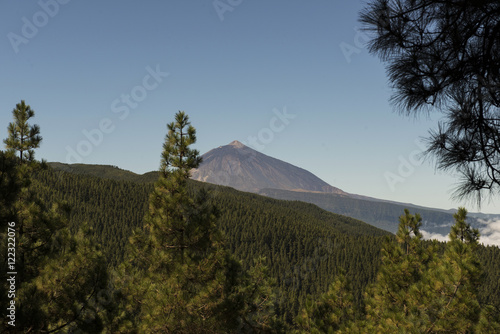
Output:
(96, 249)
(102, 250)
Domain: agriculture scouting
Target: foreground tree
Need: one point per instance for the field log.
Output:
(178, 277)
(419, 291)
(445, 56)
(404, 263)
(10, 186)
(9, 190)
(449, 291)
(58, 274)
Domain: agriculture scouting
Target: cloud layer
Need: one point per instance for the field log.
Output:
(488, 229)
(490, 232)
(435, 236)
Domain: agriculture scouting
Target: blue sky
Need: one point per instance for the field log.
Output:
(293, 75)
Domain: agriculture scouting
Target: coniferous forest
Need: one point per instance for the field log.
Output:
(101, 250)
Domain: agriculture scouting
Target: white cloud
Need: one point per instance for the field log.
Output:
(488, 229)
(435, 236)
(490, 232)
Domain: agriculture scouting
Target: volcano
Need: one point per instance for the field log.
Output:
(243, 168)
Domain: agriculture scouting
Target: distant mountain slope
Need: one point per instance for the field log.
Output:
(104, 171)
(240, 167)
(384, 215)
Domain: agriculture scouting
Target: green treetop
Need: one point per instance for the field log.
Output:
(23, 138)
(182, 226)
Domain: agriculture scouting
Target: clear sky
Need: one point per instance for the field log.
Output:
(290, 78)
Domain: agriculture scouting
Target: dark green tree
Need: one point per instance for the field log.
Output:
(328, 314)
(9, 190)
(10, 185)
(23, 138)
(449, 292)
(404, 262)
(58, 274)
(419, 291)
(445, 56)
(255, 293)
(179, 278)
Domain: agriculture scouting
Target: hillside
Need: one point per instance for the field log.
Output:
(379, 213)
(305, 246)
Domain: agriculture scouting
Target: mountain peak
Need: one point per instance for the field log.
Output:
(236, 144)
(243, 168)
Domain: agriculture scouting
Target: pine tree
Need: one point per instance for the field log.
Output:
(182, 226)
(9, 190)
(418, 291)
(404, 261)
(10, 186)
(450, 290)
(178, 276)
(184, 254)
(23, 138)
(443, 55)
(255, 291)
(57, 273)
(175, 260)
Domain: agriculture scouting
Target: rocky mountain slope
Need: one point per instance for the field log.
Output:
(240, 167)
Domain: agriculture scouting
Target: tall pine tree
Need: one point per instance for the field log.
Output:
(450, 289)
(178, 276)
(404, 261)
(58, 274)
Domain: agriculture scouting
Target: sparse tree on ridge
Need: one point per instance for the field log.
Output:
(445, 56)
